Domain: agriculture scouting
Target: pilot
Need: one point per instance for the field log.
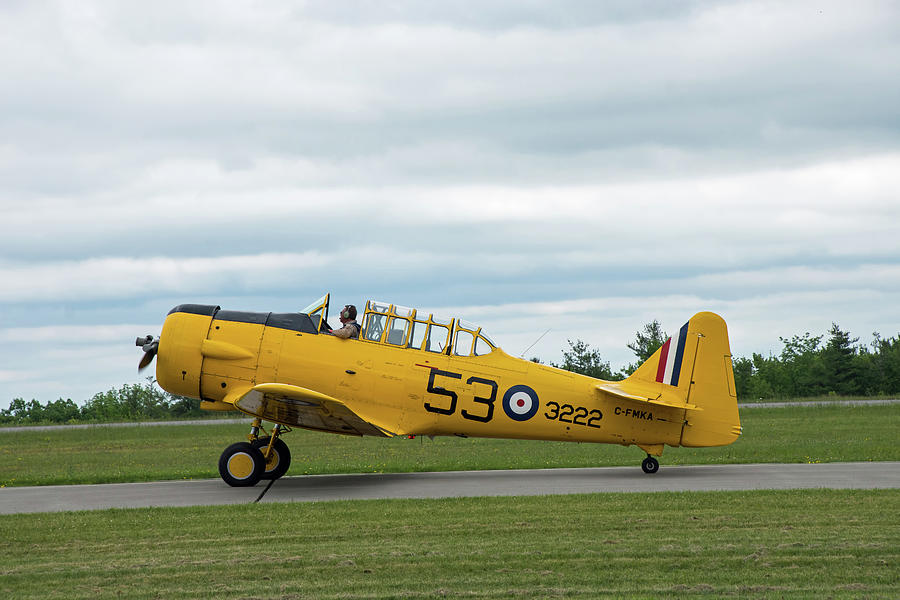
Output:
(350, 329)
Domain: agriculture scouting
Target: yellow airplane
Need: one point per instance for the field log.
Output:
(416, 374)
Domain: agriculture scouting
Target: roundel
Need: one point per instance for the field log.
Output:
(520, 403)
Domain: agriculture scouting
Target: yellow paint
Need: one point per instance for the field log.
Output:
(412, 374)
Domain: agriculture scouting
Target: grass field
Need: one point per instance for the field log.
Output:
(106, 454)
(784, 544)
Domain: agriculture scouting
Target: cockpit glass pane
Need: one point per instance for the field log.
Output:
(318, 312)
(462, 345)
(316, 306)
(373, 327)
(397, 331)
(437, 338)
(417, 334)
(379, 307)
(403, 311)
(466, 325)
(482, 346)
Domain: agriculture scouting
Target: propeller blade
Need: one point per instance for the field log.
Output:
(150, 348)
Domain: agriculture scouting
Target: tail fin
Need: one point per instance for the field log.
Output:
(693, 368)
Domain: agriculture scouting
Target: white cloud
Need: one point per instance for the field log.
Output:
(73, 335)
(98, 278)
(593, 165)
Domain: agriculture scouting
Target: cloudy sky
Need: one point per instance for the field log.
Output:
(577, 166)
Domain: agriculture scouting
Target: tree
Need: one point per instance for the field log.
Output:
(647, 341)
(580, 358)
(881, 367)
(56, 411)
(801, 371)
(134, 402)
(841, 367)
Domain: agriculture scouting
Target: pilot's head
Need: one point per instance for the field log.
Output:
(348, 313)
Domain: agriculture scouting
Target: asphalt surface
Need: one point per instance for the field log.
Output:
(313, 488)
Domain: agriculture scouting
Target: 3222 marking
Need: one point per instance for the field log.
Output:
(580, 415)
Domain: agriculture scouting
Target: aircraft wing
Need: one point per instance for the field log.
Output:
(300, 407)
(618, 392)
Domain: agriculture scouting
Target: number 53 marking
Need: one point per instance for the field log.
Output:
(487, 401)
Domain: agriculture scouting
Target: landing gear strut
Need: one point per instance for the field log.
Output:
(276, 453)
(650, 465)
(243, 464)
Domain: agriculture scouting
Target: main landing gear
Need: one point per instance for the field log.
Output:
(243, 464)
(650, 465)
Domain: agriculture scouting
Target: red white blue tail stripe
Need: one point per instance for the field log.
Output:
(670, 357)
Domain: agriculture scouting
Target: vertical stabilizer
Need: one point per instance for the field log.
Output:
(694, 367)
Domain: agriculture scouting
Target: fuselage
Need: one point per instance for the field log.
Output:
(218, 356)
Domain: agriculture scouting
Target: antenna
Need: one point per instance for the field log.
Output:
(535, 342)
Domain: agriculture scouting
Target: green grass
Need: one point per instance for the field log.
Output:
(106, 454)
(778, 544)
(822, 398)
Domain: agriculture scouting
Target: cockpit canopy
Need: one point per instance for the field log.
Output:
(404, 327)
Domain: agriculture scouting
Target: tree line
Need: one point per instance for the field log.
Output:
(131, 402)
(831, 364)
(807, 366)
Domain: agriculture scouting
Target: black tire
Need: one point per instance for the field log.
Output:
(280, 460)
(650, 465)
(241, 465)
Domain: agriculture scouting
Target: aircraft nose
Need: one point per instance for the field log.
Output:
(180, 360)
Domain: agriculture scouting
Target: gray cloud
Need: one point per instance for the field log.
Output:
(575, 165)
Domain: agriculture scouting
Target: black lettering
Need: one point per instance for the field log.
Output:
(580, 413)
(489, 402)
(555, 411)
(442, 392)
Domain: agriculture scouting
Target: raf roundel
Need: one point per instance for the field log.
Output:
(520, 403)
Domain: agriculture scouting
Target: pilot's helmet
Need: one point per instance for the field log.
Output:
(349, 312)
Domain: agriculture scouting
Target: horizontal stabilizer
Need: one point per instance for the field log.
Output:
(618, 392)
(301, 407)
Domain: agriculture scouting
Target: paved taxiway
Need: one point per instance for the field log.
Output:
(454, 484)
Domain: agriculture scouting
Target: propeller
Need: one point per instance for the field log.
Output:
(150, 347)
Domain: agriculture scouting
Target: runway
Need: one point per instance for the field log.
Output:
(314, 488)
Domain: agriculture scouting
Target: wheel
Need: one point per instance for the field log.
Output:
(241, 465)
(650, 465)
(279, 460)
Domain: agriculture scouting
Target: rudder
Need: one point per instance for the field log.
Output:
(712, 387)
(694, 367)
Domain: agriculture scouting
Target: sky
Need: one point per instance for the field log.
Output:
(576, 166)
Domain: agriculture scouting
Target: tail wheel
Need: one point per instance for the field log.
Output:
(279, 459)
(241, 465)
(650, 465)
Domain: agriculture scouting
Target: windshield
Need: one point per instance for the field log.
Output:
(318, 311)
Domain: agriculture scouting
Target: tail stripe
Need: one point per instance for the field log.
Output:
(670, 362)
(663, 359)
